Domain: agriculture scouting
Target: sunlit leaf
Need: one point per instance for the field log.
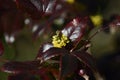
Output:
(44, 48)
(47, 51)
(76, 29)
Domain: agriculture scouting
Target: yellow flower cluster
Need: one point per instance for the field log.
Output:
(71, 1)
(58, 41)
(97, 20)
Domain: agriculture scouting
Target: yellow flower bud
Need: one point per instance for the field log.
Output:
(97, 20)
(71, 1)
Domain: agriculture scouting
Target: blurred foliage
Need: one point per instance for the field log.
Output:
(24, 26)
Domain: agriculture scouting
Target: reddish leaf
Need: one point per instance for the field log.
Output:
(36, 8)
(20, 67)
(42, 72)
(33, 7)
(7, 5)
(12, 21)
(86, 58)
(44, 48)
(47, 51)
(76, 29)
(44, 27)
(1, 48)
(69, 64)
(21, 77)
(50, 6)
